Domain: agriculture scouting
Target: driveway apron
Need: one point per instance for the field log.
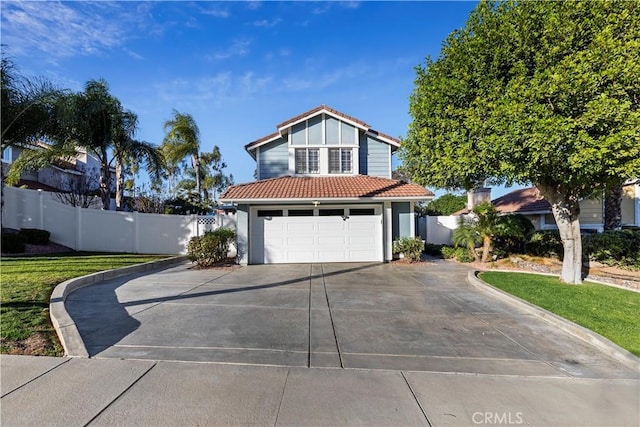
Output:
(363, 316)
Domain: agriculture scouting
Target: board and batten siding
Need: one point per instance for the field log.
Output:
(273, 159)
(374, 157)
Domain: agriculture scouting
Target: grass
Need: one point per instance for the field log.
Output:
(26, 286)
(611, 312)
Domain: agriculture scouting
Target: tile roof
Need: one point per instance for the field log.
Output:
(312, 112)
(523, 201)
(324, 187)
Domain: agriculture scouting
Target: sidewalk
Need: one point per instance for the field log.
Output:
(63, 391)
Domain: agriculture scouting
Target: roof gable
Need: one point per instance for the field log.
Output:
(284, 127)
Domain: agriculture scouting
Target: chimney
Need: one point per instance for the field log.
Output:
(477, 196)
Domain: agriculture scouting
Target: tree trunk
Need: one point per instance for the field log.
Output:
(566, 211)
(105, 182)
(196, 166)
(486, 248)
(119, 186)
(613, 208)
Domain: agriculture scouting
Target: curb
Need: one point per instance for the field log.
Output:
(63, 323)
(601, 343)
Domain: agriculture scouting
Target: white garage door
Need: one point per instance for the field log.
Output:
(328, 234)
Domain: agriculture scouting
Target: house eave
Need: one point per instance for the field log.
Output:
(310, 200)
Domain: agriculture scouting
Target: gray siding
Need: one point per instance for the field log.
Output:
(374, 157)
(273, 159)
(401, 220)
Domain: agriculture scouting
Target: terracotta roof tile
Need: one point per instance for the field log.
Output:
(324, 187)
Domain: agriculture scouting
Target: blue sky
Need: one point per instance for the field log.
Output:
(239, 68)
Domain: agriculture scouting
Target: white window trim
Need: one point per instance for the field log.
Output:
(307, 157)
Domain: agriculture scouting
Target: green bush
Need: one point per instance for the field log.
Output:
(34, 236)
(619, 248)
(463, 255)
(448, 252)
(210, 248)
(512, 233)
(410, 247)
(13, 243)
(460, 254)
(433, 249)
(545, 243)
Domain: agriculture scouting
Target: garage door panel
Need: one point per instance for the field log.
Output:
(306, 226)
(332, 256)
(316, 239)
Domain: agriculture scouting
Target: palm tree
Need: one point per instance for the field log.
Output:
(95, 121)
(467, 234)
(26, 113)
(613, 207)
(182, 139)
(486, 224)
(129, 153)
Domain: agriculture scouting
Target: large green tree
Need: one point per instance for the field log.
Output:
(533, 92)
(446, 204)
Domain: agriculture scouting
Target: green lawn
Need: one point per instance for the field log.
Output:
(612, 312)
(27, 283)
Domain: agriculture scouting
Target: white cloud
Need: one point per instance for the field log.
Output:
(211, 91)
(238, 47)
(265, 23)
(253, 5)
(67, 29)
(216, 12)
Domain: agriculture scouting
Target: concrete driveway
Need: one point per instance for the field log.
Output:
(371, 316)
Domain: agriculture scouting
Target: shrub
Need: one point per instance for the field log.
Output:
(621, 248)
(410, 247)
(512, 233)
(448, 252)
(33, 236)
(460, 254)
(433, 249)
(210, 248)
(13, 243)
(463, 255)
(545, 243)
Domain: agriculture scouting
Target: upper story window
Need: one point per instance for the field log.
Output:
(307, 160)
(340, 160)
(323, 130)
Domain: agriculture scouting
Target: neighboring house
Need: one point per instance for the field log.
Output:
(64, 175)
(528, 202)
(323, 193)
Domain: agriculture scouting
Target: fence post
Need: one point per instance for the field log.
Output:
(78, 228)
(40, 209)
(136, 233)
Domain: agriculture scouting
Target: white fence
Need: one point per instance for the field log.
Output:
(108, 231)
(437, 229)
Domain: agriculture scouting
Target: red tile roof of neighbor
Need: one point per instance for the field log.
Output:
(325, 187)
(312, 112)
(523, 201)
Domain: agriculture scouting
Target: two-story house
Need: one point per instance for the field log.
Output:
(323, 193)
